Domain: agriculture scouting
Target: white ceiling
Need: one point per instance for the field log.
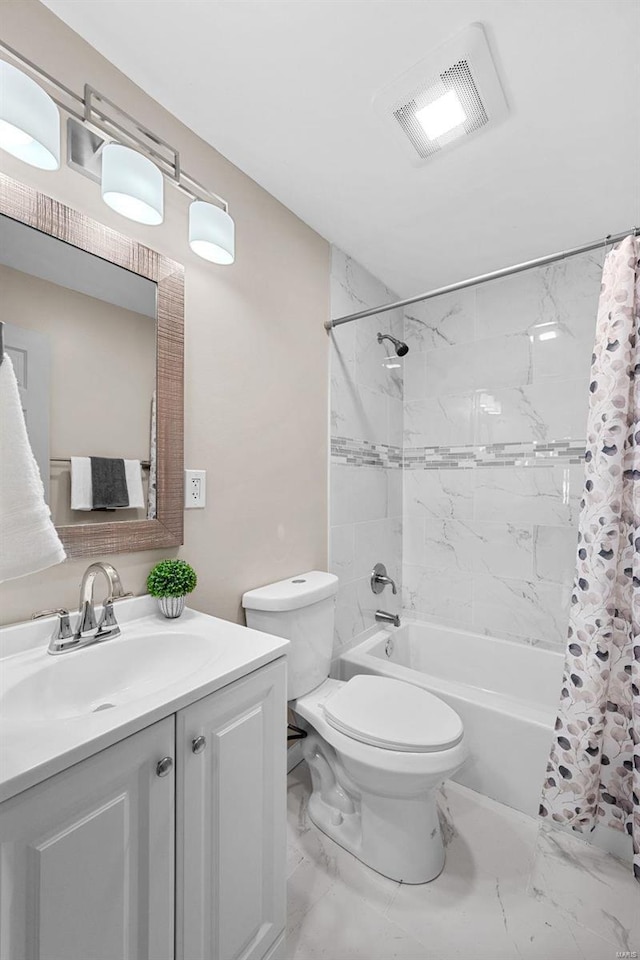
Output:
(283, 88)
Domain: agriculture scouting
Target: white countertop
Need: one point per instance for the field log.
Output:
(34, 745)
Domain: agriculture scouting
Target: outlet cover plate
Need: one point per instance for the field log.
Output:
(195, 489)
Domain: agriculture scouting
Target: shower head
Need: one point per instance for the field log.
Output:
(401, 348)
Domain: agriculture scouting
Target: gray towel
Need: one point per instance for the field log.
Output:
(108, 483)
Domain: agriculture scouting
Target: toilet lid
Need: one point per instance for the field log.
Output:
(393, 714)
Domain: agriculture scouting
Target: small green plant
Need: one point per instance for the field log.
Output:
(171, 578)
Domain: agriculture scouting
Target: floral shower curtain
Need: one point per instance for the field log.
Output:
(593, 772)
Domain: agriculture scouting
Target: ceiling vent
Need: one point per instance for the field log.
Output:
(453, 93)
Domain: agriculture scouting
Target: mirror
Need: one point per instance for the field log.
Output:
(93, 325)
(81, 334)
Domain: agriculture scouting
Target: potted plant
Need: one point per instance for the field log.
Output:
(170, 581)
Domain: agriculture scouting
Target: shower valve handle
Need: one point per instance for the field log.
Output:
(379, 579)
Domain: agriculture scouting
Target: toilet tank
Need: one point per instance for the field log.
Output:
(301, 609)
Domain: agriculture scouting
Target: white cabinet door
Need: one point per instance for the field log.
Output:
(231, 809)
(87, 858)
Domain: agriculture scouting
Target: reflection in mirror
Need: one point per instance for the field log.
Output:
(81, 334)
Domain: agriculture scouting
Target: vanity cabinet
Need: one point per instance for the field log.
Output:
(169, 844)
(87, 858)
(231, 804)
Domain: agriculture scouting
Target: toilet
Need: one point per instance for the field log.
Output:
(377, 747)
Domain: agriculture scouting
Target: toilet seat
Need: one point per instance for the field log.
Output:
(392, 715)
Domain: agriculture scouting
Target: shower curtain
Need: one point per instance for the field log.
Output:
(593, 774)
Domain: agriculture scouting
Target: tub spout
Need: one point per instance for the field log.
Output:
(383, 617)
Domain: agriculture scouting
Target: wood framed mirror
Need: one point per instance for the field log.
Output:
(98, 319)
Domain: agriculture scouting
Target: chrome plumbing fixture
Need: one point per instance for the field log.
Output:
(88, 630)
(379, 579)
(401, 348)
(383, 617)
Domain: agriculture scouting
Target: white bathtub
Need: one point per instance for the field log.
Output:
(506, 694)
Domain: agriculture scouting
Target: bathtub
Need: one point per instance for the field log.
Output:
(505, 692)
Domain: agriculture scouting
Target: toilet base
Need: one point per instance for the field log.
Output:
(398, 837)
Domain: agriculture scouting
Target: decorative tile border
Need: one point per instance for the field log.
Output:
(529, 454)
(362, 453)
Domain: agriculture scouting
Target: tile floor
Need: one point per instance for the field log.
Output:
(511, 889)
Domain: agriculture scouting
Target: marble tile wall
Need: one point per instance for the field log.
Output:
(366, 441)
(495, 377)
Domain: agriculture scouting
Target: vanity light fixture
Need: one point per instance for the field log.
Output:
(109, 146)
(29, 120)
(211, 232)
(132, 185)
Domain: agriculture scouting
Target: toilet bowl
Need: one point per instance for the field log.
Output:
(377, 748)
(379, 801)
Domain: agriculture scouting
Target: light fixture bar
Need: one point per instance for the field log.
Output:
(91, 95)
(87, 110)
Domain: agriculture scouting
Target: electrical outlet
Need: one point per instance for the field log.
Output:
(195, 489)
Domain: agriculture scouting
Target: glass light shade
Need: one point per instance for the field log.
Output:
(29, 120)
(132, 184)
(211, 232)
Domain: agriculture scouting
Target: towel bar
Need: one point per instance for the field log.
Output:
(145, 464)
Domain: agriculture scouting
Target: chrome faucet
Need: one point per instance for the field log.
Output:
(88, 630)
(379, 579)
(383, 617)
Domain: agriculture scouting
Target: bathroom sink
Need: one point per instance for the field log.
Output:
(103, 676)
(57, 711)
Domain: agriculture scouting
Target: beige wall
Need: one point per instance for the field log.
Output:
(256, 356)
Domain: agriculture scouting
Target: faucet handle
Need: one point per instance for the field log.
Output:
(379, 579)
(107, 624)
(62, 629)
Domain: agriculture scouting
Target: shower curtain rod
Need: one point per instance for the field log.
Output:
(484, 278)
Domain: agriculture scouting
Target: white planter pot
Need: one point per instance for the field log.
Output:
(171, 607)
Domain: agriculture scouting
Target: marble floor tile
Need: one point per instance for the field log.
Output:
(340, 926)
(593, 889)
(511, 889)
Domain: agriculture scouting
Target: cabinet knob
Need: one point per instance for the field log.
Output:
(198, 744)
(164, 766)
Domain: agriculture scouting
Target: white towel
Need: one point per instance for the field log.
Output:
(133, 474)
(82, 491)
(28, 538)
